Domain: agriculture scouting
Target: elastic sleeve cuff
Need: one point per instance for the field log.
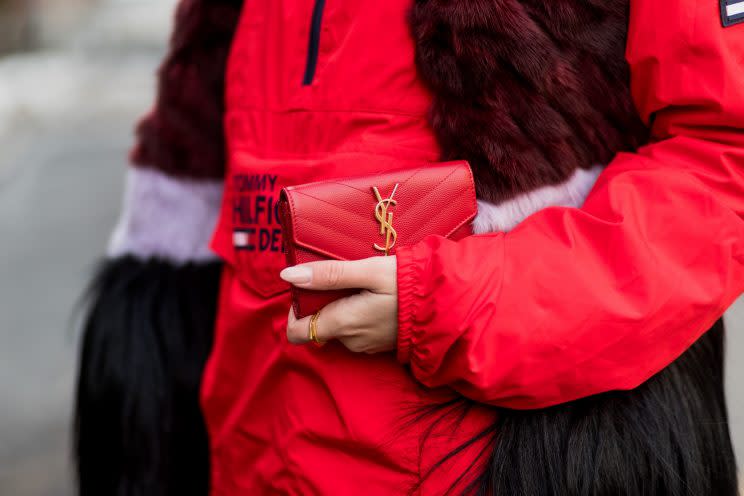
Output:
(409, 272)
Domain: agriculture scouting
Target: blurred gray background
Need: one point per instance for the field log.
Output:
(74, 77)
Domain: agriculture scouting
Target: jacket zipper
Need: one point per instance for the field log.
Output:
(314, 43)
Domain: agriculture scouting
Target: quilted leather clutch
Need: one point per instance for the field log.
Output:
(361, 217)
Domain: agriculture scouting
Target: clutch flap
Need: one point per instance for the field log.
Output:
(360, 217)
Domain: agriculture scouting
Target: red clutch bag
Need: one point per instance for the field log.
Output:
(361, 217)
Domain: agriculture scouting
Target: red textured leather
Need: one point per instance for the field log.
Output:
(336, 219)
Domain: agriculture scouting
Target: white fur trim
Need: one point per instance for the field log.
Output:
(735, 9)
(166, 217)
(505, 216)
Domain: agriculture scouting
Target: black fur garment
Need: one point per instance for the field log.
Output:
(139, 428)
(668, 437)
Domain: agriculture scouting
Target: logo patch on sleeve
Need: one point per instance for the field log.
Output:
(732, 12)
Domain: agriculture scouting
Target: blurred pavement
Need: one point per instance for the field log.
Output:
(66, 117)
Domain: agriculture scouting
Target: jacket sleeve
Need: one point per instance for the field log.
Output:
(575, 302)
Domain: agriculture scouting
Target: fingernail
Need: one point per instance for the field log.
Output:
(297, 275)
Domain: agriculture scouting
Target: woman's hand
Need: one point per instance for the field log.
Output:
(366, 322)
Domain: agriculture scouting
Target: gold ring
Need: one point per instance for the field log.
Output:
(313, 334)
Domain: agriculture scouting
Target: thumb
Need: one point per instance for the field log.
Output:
(335, 274)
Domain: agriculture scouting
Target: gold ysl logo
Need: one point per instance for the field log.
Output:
(385, 219)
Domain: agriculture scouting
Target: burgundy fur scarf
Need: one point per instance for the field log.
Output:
(183, 135)
(527, 90)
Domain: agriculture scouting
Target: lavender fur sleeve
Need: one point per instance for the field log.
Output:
(166, 218)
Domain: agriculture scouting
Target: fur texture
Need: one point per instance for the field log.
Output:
(183, 135)
(668, 437)
(138, 425)
(527, 90)
(509, 213)
(147, 227)
(139, 429)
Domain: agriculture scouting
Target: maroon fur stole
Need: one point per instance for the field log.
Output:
(183, 135)
(527, 90)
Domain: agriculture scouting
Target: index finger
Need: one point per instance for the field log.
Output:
(336, 274)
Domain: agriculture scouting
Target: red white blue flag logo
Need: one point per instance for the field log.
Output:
(732, 12)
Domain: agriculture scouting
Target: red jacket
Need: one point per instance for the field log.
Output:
(570, 303)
